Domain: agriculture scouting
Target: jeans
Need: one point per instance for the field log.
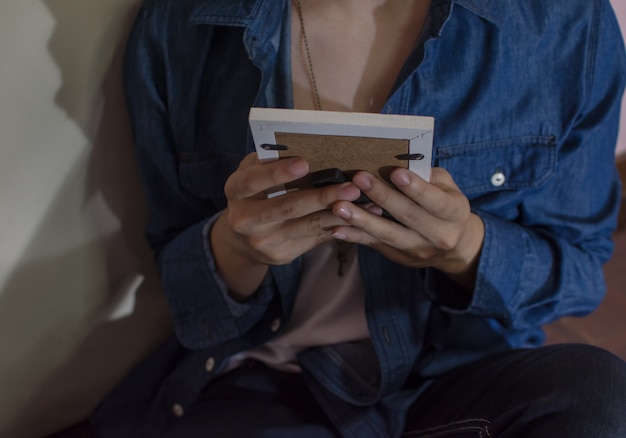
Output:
(557, 391)
(562, 391)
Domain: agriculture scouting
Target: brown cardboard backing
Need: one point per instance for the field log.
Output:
(347, 153)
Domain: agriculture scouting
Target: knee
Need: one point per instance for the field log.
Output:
(589, 368)
(590, 384)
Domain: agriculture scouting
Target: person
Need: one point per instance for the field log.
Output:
(433, 325)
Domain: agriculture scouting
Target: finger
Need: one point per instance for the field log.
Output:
(296, 204)
(440, 198)
(437, 213)
(320, 222)
(399, 255)
(375, 228)
(292, 239)
(397, 204)
(440, 177)
(249, 160)
(373, 208)
(252, 177)
(399, 243)
(314, 229)
(287, 251)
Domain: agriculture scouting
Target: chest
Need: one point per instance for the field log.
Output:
(348, 59)
(461, 82)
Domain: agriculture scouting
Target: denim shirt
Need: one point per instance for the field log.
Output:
(526, 98)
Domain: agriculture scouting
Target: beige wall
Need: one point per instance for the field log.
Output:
(79, 299)
(620, 10)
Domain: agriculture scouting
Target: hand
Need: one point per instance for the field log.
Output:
(255, 232)
(436, 229)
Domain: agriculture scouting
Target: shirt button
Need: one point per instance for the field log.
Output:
(275, 325)
(178, 410)
(498, 179)
(209, 365)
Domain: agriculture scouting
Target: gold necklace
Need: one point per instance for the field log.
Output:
(342, 246)
(317, 104)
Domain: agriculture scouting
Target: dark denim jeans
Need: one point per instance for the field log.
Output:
(562, 391)
(558, 391)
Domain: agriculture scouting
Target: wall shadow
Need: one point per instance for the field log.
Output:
(94, 352)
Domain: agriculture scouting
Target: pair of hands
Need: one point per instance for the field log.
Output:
(436, 227)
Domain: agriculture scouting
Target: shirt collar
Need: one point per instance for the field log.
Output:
(228, 12)
(490, 10)
(241, 12)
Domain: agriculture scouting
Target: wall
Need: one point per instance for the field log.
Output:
(79, 298)
(620, 11)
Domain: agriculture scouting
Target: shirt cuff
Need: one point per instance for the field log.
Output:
(261, 297)
(497, 279)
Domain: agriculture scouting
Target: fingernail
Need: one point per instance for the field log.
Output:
(299, 167)
(349, 192)
(343, 212)
(401, 177)
(339, 235)
(362, 181)
(375, 209)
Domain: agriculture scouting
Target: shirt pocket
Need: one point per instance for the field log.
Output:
(513, 164)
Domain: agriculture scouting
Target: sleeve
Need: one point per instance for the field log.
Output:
(548, 263)
(202, 310)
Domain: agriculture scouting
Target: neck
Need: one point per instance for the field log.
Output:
(356, 50)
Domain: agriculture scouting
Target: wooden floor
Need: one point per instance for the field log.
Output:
(606, 327)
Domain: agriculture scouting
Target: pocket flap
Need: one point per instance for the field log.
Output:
(510, 164)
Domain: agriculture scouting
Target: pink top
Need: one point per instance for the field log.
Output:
(328, 309)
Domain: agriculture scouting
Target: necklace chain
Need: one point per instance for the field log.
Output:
(342, 246)
(317, 101)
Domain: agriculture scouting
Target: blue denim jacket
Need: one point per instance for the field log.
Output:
(526, 98)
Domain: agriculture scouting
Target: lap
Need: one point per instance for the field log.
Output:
(255, 401)
(567, 390)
